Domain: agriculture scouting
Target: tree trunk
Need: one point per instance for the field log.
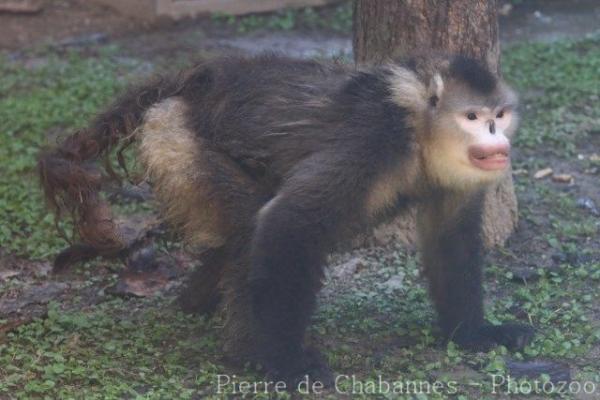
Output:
(384, 28)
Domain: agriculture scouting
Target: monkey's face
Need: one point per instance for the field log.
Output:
(469, 142)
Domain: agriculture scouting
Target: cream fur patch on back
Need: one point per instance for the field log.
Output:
(172, 156)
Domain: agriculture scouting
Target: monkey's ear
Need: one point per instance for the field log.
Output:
(435, 90)
(408, 90)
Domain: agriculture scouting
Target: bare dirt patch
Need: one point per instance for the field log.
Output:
(59, 20)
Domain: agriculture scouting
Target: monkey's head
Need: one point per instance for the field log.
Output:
(467, 117)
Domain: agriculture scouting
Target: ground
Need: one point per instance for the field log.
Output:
(97, 332)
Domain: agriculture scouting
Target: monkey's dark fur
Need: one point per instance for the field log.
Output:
(290, 158)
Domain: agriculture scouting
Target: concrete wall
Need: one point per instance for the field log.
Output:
(151, 9)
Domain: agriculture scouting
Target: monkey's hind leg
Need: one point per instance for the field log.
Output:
(202, 191)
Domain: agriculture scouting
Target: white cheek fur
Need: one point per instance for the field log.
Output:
(466, 124)
(474, 129)
(504, 122)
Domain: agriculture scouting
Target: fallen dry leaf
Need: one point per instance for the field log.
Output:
(542, 173)
(519, 171)
(9, 273)
(563, 178)
(140, 284)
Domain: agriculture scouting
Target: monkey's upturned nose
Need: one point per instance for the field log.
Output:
(492, 126)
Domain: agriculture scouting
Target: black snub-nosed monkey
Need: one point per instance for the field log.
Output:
(269, 162)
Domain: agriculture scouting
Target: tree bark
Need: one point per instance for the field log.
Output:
(384, 28)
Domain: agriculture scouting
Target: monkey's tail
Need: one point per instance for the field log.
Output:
(70, 180)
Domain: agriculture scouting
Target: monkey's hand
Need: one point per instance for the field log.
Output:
(513, 336)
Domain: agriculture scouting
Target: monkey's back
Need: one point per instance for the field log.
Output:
(263, 110)
(269, 112)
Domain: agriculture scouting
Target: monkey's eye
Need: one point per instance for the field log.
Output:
(472, 116)
(500, 114)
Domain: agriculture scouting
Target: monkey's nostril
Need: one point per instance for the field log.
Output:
(492, 127)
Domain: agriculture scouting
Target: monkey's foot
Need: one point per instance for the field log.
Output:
(513, 336)
(190, 303)
(311, 366)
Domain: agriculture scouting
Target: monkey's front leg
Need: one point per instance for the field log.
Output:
(452, 253)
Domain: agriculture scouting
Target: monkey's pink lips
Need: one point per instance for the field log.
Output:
(490, 158)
